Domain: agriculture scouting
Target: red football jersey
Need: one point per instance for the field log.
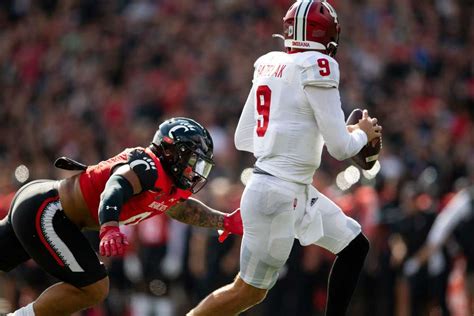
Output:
(157, 196)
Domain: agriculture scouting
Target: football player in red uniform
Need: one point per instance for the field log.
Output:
(46, 217)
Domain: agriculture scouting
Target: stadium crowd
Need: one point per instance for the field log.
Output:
(84, 79)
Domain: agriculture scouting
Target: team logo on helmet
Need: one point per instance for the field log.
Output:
(300, 44)
(186, 126)
(290, 30)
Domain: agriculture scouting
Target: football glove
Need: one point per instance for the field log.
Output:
(112, 241)
(232, 225)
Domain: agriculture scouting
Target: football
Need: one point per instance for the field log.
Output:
(368, 155)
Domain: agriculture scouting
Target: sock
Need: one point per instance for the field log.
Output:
(24, 311)
(345, 274)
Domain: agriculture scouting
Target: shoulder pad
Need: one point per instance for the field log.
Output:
(144, 166)
(274, 63)
(272, 58)
(319, 70)
(260, 59)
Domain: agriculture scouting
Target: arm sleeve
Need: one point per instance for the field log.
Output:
(454, 212)
(116, 192)
(326, 105)
(243, 137)
(144, 167)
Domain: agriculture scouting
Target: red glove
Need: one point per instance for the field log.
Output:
(112, 241)
(232, 225)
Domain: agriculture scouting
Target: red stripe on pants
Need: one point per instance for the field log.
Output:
(40, 231)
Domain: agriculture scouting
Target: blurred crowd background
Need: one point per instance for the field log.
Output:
(86, 78)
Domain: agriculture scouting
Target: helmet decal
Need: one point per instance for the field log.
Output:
(186, 126)
(290, 31)
(147, 162)
(300, 20)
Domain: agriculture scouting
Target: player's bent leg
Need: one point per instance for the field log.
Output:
(230, 300)
(267, 209)
(60, 248)
(343, 237)
(345, 274)
(12, 251)
(72, 298)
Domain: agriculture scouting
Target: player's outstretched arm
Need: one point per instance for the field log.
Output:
(450, 216)
(194, 212)
(119, 188)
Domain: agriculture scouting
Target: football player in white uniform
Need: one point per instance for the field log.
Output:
(293, 109)
(455, 219)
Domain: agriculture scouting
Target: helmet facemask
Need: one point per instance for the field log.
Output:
(192, 169)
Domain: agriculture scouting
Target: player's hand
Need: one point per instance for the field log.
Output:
(112, 241)
(369, 126)
(232, 225)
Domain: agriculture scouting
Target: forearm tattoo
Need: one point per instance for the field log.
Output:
(195, 213)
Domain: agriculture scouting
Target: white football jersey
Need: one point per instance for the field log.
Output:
(294, 108)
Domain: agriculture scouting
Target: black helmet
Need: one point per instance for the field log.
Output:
(185, 149)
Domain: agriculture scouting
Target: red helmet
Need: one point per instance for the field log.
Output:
(312, 25)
